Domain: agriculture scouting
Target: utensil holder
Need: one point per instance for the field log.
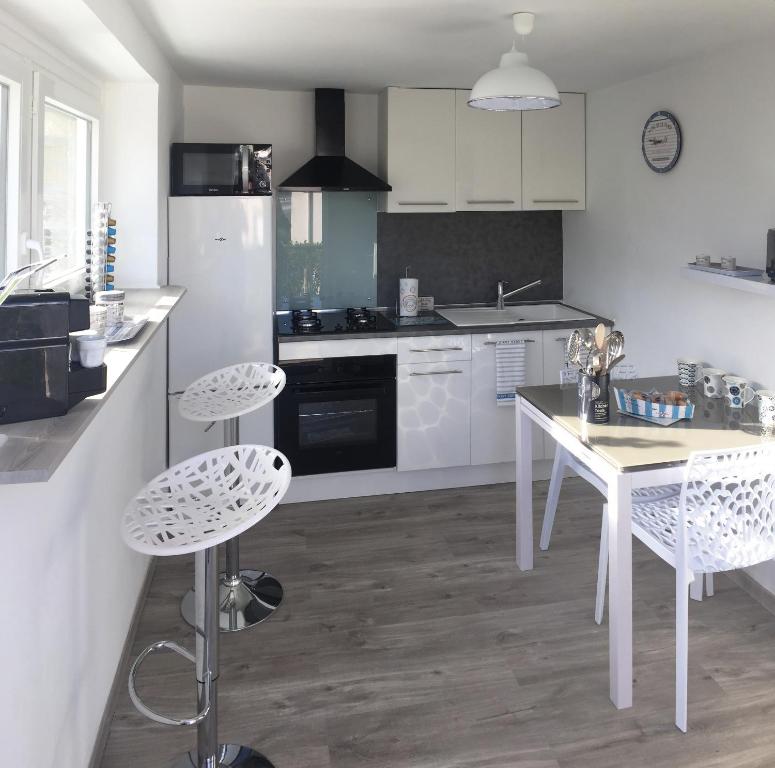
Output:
(594, 407)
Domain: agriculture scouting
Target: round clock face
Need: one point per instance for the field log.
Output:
(661, 142)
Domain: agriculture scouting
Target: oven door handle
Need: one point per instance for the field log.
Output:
(349, 391)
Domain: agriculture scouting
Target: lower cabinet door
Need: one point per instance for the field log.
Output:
(434, 415)
(493, 426)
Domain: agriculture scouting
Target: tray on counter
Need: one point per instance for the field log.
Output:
(126, 330)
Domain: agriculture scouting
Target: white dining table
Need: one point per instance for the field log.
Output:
(626, 453)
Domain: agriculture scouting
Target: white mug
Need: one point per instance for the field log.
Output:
(728, 262)
(702, 259)
(766, 399)
(713, 383)
(737, 391)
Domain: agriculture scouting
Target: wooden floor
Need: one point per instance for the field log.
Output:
(409, 638)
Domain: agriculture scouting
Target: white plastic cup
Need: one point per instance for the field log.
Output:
(91, 350)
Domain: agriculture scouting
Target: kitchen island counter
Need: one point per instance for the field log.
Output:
(31, 451)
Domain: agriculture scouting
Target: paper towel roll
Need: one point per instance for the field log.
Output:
(407, 296)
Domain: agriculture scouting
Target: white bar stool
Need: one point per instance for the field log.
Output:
(193, 507)
(246, 596)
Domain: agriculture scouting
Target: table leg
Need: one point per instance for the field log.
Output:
(524, 488)
(620, 590)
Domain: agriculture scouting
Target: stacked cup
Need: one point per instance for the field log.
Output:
(766, 399)
(689, 372)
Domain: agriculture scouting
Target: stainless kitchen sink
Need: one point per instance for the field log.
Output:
(527, 313)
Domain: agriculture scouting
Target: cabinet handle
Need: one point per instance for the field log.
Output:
(490, 202)
(563, 339)
(434, 373)
(555, 201)
(422, 202)
(438, 349)
(521, 341)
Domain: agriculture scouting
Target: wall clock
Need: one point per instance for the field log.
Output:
(661, 142)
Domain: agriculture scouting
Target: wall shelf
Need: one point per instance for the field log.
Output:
(760, 285)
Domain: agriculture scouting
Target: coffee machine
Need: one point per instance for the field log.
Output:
(37, 379)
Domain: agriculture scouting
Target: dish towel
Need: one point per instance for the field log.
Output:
(510, 364)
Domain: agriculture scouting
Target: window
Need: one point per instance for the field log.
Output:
(67, 184)
(4, 177)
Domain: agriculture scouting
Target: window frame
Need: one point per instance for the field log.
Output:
(16, 74)
(61, 95)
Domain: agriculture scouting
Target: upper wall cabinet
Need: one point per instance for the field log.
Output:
(441, 155)
(417, 149)
(488, 158)
(553, 156)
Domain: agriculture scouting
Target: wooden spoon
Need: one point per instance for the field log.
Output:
(599, 336)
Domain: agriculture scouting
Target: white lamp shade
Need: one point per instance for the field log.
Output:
(514, 86)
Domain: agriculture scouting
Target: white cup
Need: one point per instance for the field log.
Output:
(766, 399)
(713, 382)
(91, 350)
(737, 391)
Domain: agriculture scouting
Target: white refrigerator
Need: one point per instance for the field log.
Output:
(220, 250)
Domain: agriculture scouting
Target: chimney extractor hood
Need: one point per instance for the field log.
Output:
(330, 170)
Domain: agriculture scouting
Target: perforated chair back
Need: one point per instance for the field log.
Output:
(231, 392)
(206, 500)
(727, 509)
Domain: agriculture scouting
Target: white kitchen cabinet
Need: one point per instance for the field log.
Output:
(553, 156)
(417, 149)
(434, 415)
(554, 353)
(554, 360)
(492, 426)
(488, 158)
(433, 349)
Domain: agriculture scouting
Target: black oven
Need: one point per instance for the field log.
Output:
(221, 169)
(338, 414)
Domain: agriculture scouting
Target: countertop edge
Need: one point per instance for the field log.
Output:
(450, 329)
(157, 303)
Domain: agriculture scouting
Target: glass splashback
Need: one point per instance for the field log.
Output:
(326, 249)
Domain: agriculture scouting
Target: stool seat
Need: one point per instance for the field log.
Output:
(206, 500)
(231, 392)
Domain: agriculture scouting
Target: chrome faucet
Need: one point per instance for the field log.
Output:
(503, 296)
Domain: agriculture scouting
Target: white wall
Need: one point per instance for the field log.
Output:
(129, 177)
(285, 119)
(118, 17)
(622, 256)
(69, 583)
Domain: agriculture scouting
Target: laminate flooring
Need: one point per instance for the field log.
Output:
(408, 638)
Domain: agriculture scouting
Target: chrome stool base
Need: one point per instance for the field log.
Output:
(229, 756)
(250, 601)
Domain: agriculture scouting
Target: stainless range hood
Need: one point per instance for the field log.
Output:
(330, 170)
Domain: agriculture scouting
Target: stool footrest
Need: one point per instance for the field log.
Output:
(144, 708)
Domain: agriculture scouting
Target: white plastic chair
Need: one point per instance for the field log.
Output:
(723, 519)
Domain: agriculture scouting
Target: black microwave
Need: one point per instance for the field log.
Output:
(221, 169)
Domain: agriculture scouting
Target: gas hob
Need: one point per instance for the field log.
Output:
(348, 322)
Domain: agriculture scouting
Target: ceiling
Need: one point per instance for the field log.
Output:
(74, 28)
(363, 45)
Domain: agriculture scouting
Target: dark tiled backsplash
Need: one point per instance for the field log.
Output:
(459, 257)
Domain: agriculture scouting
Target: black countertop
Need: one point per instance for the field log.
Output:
(445, 328)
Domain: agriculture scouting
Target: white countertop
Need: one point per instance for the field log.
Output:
(30, 451)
